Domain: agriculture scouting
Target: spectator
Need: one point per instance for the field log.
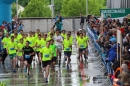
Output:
(82, 21)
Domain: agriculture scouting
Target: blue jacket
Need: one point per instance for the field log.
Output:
(112, 54)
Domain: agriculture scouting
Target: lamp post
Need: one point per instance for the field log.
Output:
(52, 7)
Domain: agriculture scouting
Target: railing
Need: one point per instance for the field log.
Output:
(101, 55)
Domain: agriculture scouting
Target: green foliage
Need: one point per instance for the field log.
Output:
(75, 7)
(38, 9)
(23, 3)
(68, 8)
(58, 5)
(14, 11)
(94, 6)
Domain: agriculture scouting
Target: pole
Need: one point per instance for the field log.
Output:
(17, 7)
(52, 6)
(86, 8)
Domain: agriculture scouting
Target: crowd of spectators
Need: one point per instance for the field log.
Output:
(11, 26)
(106, 30)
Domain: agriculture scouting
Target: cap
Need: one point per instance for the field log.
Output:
(80, 29)
(113, 39)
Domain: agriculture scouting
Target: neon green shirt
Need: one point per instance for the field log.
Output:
(16, 40)
(39, 44)
(77, 37)
(5, 41)
(67, 45)
(31, 41)
(19, 36)
(54, 50)
(71, 39)
(36, 35)
(43, 43)
(48, 34)
(19, 48)
(64, 35)
(49, 38)
(46, 53)
(11, 46)
(81, 43)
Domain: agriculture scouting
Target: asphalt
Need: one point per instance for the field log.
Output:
(78, 74)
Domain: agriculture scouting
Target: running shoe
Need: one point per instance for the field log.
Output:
(30, 67)
(25, 70)
(14, 70)
(65, 59)
(67, 66)
(46, 80)
(28, 76)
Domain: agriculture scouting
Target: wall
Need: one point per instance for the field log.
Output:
(45, 24)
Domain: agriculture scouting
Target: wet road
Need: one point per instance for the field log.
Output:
(79, 74)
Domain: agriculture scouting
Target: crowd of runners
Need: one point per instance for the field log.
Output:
(25, 47)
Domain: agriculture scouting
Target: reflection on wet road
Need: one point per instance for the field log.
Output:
(60, 77)
(79, 74)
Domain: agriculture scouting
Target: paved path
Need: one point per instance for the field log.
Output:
(79, 74)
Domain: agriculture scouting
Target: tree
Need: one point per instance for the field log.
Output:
(38, 9)
(64, 7)
(58, 5)
(14, 11)
(23, 3)
(75, 7)
(94, 6)
(71, 8)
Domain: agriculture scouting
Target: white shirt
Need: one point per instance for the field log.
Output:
(58, 44)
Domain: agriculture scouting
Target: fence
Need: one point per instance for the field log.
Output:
(100, 53)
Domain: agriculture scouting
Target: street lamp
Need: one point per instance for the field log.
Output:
(52, 7)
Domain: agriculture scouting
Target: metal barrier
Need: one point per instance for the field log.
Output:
(99, 53)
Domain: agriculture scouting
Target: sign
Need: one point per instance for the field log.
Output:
(115, 13)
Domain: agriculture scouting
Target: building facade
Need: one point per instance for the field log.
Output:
(118, 3)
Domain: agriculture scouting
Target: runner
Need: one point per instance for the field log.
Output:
(81, 46)
(16, 38)
(5, 42)
(54, 56)
(63, 34)
(50, 37)
(71, 40)
(37, 33)
(52, 31)
(44, 40)
(28, 53)
(46, 59)
(86, 39)
(38, 47)
(20, 53)
(67, 49)
(58, 42)
(20, 35)
(11, 50)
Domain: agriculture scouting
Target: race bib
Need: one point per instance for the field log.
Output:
(27, 56)
(11, 48)
(30, 42)
(20, 50)
(67, 49)
(82, 46)
(46, 55)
